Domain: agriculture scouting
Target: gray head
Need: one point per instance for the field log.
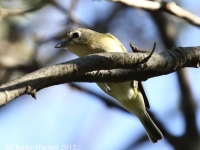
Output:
(77, 36)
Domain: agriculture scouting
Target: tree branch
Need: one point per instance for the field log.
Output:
(107, 101)
(169, 7)
(106, 67)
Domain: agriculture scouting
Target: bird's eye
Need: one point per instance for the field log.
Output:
(75, 35)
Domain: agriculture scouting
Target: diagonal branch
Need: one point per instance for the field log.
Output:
(107, 101)
(111, 67)
(169, 7)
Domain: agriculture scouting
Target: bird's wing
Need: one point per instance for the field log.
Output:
(140, 85)
(120, 44)
(141, 88)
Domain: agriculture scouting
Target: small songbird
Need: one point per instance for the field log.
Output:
(130, 95)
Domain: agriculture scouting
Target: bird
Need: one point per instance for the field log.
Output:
(130, 94)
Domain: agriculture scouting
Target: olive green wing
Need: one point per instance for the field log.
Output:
(120, 44)
(141, 88)
(140, 85)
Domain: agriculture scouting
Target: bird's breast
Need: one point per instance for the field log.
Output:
(120, 91)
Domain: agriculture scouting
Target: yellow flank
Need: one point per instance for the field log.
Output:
(117, 89)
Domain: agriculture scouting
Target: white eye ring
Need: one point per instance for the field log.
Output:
(76, 34)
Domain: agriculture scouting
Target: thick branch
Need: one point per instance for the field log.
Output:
(169, 7)
(81, 70)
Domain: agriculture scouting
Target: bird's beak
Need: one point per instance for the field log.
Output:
(61, 44)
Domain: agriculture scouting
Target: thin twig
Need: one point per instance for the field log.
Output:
(169, 7)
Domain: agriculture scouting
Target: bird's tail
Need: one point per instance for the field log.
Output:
(152, 130)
